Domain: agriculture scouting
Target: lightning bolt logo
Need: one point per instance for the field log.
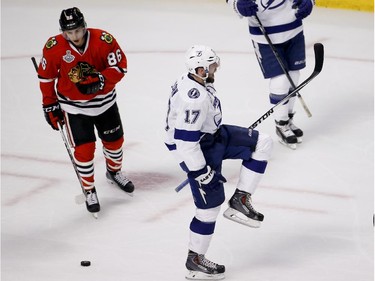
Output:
(267, 4)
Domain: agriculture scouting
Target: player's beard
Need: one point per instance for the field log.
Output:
(210, 78)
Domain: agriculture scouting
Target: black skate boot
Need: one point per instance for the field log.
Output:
(119, 179)
(240, 210)
(92, 201)
(297, 131)
(201, 268)
(285, 134)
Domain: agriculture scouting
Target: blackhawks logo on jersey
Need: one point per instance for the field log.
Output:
(51, 42)
(80, 71)
(106, 37)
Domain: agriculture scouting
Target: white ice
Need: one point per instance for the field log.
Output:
(317, 200)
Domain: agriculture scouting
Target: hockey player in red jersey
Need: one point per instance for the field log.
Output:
(78, 73)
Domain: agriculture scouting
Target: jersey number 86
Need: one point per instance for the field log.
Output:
(113, 58)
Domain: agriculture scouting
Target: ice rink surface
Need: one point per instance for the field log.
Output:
(317, 200)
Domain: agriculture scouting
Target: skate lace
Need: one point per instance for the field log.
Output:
(286, 130)
(207, 263)
(91, 198)
(248, 203)
(121, 179)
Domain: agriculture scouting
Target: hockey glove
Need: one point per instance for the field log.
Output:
(53, 114)
(91, 83)
(304, 8)
(207, 178)
(247, 8)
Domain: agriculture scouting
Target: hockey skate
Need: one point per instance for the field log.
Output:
(200, 268)
(285, 134)
(92, 202)
(240, 210)
(119, 179)
(296, 131)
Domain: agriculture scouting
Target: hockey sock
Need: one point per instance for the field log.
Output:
(113, 154)
(84, 159)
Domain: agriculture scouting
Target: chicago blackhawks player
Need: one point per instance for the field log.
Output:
(78, 73)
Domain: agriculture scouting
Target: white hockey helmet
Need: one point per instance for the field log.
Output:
(200, 56)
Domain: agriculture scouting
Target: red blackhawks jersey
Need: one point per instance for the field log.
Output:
(62, 66)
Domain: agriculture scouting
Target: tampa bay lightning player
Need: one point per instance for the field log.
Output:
(195, 135)
(282, 20)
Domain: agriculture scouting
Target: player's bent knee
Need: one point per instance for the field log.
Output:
(264, 148)
(84, 152)
(113, 145)
(279, 85)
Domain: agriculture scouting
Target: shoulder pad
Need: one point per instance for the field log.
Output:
(51, 43)
(101, 35)
(106, 37)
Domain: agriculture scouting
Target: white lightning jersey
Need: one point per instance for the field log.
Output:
(278, 18)
(193, 110)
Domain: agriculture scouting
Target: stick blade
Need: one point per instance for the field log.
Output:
(319, 57)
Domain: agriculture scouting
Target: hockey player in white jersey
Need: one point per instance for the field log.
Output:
(282, 21)
(195, 135)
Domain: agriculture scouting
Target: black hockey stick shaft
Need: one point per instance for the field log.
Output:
(319, 60)
(60, 126)
(66, 143)
(286, 72)
(34, 63)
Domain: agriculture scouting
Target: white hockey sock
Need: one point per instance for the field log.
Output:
(248, 180)
(291, 103)
(199, 243)
(281, 113)
(203, 225)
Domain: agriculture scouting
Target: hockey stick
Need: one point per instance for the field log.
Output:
(282, 65)
(181, 185)
(81, 198)
(319, 59)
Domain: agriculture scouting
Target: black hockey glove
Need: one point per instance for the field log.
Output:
(53, 115)
(207, 178)
(91, 83)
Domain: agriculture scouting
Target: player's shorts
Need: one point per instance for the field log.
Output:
(81, 128)
(292, 53)
(229, 142)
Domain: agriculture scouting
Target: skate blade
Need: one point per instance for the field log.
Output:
(289, 145)
(95, 215)
(238, 217)
(299, 140)
(197, 275)
(131, 194)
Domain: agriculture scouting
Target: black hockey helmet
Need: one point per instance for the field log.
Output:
(71, 18)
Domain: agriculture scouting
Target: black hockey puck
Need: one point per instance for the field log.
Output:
(85, 263)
